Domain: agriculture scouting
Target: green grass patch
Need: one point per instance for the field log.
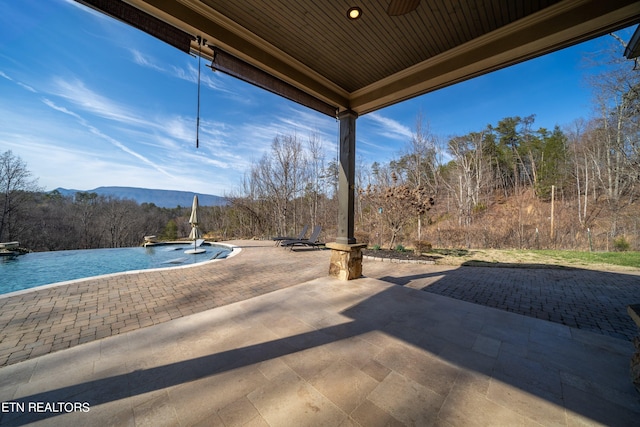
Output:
(449, 252)
(627, 259)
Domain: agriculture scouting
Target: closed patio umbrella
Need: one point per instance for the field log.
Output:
(195, 234)
(193, 220)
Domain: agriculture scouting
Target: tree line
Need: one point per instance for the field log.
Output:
(48, 221)
(509, 185)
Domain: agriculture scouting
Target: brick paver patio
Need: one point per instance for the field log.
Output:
(54, 318)
(585, 299)
(266, 338)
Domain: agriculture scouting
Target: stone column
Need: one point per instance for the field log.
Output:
(346, 260)
(346, 254)
(346, 177)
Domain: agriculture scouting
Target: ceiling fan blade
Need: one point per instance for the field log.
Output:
(400, 7)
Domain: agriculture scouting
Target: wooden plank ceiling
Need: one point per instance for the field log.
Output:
(379, 59)
(359, 53)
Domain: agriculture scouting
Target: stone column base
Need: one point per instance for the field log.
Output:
(346, 260)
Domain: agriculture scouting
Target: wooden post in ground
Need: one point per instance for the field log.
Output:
(553, 190)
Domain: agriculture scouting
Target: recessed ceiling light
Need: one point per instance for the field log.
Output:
(354, 13)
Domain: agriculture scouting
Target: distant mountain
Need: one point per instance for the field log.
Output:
(161, 198)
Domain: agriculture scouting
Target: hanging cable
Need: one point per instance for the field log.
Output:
(198, 107)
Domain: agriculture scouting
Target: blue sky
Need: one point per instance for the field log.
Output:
(87, 101)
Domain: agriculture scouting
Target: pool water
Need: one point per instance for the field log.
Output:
(43, 268)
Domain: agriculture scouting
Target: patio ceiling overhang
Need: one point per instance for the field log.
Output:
(311, 52)
(632, 51)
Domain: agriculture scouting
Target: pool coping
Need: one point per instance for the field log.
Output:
(235, 250)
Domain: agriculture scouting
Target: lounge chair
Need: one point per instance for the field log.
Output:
(300, 236)
(311, 241)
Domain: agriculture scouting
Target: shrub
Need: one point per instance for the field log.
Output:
(480, 207)
(400, 248)
(620, 244)
(376, 247)
(422, 246)
(170, 231)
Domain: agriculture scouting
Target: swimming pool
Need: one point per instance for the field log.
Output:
(43, 268)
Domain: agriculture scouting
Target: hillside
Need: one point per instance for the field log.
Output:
(160, 198)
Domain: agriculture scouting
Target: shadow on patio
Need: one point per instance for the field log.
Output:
(328, 351)
(580, 298)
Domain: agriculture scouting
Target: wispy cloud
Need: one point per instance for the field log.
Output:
(102, 105)
(53, 105)
(389, 128)
(189, 74)
(171, 132)
(163, 143)
(21, 84)
(180, 128)
(145, 61)
(76, 92)
(128, 150)
(372, 145)
(307, 122)
(207, 77)
(27, 87)
(194, 158)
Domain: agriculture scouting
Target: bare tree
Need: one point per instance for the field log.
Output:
(580, 167)
(397, 203)
(419, 163)
(15, 185)
(471, 173)
(313, 188)
(617, 99)
(279, 177)
(86, 208)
